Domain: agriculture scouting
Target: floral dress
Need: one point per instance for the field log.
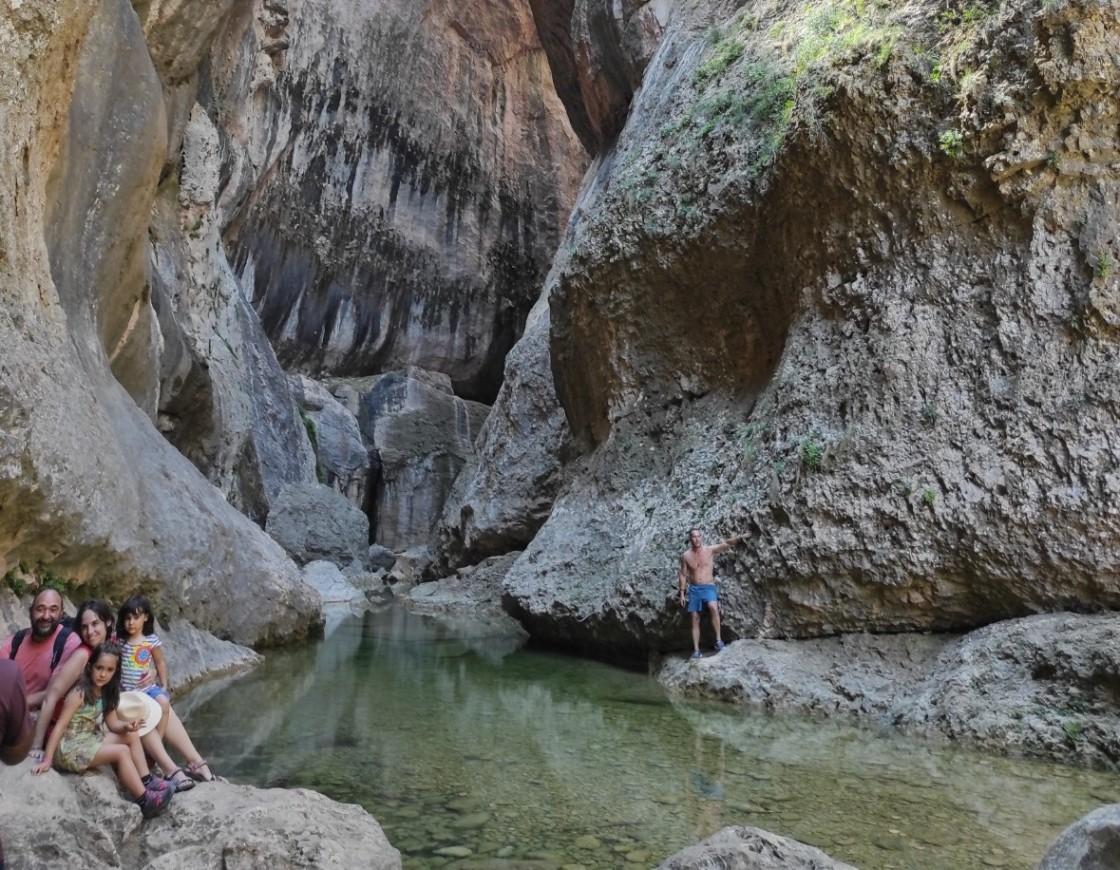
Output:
(82, 739)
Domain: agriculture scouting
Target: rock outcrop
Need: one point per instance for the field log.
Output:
(744, 848)
(52, 818)
(311, 522)
(421, 435)
(415, 171)
(343, 460)
(88, 486)
(1042, 686)
(223, 400)
(847, 284)
(505, 491)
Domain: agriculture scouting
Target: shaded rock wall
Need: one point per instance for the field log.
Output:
(849, 286)
(88, 487)
(416, 169)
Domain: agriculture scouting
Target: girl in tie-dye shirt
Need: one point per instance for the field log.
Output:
(143, 668)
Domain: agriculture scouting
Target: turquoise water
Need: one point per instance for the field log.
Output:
(473, 753)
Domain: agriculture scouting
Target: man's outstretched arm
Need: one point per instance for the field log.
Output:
(727, 544)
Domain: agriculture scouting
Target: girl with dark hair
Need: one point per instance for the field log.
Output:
(143, 668)
(78, 742)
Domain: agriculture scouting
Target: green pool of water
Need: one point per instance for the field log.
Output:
(473, 753)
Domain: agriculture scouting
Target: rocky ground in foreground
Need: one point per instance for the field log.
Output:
(56, 819)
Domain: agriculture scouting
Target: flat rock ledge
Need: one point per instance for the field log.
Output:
(739, 847)
(1042, 686)
(59, 819)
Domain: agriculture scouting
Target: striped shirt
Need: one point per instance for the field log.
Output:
(137, 662)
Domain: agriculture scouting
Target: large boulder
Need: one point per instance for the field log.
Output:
(422, 435)
(1090, 843)
(505, 491)
(744, 848)
(763, 330)
(57, 818)
(343, 460)
(312, 522)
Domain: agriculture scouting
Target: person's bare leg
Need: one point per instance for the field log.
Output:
(135, 749)
(713, 609)
(178, 739)
(165, 708)
(695, 631)
(117, 754)
(158, 752)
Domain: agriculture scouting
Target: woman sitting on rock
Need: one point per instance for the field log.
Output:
(93, 623)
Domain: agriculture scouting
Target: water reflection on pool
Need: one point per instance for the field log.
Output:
(471, 752)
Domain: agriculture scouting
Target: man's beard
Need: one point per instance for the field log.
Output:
(37, 629)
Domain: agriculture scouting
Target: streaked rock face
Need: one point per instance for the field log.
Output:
(88, 486)
(415, 172)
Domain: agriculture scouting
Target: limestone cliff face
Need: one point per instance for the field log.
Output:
(415, 168)
(88, 486)
(846, 281)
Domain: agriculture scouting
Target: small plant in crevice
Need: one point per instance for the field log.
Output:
(1104, 265)
(928, 497)
(812, 455)
(313, 437)
(929, 413)
(951, 143)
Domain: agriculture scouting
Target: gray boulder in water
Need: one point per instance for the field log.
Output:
(739, 847)
(1090, 843)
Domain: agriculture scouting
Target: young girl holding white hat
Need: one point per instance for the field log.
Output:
(78, 743)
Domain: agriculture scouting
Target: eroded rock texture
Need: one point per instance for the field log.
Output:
(415, 171)
(88, 487)
(846, 284)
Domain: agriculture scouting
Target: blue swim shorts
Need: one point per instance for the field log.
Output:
(155, 690)
(699, 595)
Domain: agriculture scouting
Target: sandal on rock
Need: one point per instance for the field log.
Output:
(152, 803)
(199, 771)
(180, 780)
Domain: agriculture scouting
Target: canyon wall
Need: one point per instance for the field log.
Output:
(396, 179)
(89, 489)
(845, 282)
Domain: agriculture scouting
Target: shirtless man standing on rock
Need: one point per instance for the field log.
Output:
(696, 569)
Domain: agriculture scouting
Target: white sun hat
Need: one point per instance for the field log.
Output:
(138, 705)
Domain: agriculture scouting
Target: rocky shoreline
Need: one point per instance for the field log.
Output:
(1042, 686)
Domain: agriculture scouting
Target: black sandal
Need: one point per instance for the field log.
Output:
(184, 784)
(194, 771)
